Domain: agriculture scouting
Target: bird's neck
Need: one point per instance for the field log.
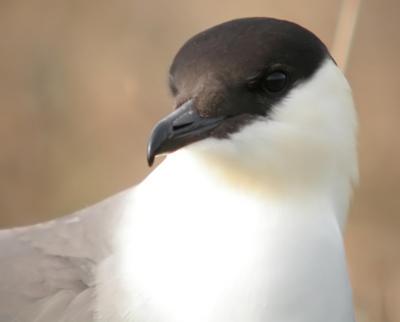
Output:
(196, 175)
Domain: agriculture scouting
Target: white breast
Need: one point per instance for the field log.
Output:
(214, 254)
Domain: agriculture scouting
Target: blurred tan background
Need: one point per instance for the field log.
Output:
(82, 82)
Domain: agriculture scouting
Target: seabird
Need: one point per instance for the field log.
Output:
(242, 221)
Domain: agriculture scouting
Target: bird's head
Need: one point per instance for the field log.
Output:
(260, 96)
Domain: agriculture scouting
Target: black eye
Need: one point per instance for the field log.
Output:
(275, 82)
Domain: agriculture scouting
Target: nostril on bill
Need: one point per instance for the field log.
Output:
(179, 126)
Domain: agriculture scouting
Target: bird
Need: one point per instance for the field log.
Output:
(243, 219)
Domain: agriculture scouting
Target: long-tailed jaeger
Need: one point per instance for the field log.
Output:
(243, 220)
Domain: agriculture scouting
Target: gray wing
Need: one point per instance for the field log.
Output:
(47, 271)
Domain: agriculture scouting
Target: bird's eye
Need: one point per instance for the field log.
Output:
(275, 82)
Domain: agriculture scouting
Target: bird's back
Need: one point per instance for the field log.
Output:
(48, 271)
